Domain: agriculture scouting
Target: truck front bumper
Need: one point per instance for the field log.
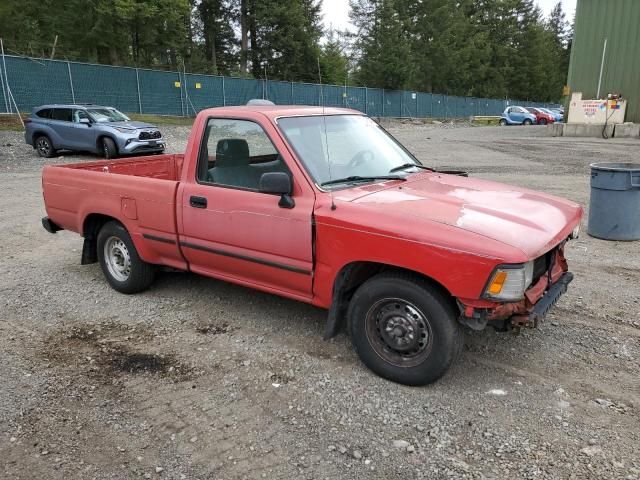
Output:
(538, 300)
(539, 311)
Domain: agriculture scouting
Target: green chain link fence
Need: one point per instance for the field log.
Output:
(34, 82)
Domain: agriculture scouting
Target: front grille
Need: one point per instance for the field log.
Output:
(151, 135)
(541, 265)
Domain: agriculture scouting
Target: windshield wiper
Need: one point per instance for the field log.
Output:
(358, 178)
(407, 165)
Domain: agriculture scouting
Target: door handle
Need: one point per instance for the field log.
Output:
(198, 202)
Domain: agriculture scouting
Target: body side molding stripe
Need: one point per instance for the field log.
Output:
(224, 253)
(158, 239)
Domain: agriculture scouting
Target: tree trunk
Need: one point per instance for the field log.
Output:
(255, 48)
(244, 39)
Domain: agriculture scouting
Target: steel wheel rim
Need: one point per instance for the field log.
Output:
(43, 146)
(399, 332)
(117, 259)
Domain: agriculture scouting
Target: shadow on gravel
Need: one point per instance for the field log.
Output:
(102, 351)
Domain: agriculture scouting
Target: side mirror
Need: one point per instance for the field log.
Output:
(278, 183)
(86, 121)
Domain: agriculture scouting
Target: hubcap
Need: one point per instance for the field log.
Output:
(117, 259)
(399, 332)
(43, 146)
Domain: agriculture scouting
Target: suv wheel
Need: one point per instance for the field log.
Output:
(44, 147)
(109, 149)
(404, 329)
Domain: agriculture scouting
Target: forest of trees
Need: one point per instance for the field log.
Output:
(489, 48)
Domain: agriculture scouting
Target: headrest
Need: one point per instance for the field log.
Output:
(232, 152)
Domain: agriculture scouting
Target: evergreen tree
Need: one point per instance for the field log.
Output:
(383, 44)
(214, 26)
(334, 64)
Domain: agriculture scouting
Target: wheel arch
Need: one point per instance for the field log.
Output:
(354, 274)
(91, 225)
(42, 132)
(103, 135)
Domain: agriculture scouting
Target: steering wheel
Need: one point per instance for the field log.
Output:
(361, 158)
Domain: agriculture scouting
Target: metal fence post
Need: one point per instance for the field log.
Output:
(181, 102)
(224, 94)
(366, 101)
(383, 102)
(4, 93)
(138, 89)
(291, 93)
(73, 95)
(2, 80)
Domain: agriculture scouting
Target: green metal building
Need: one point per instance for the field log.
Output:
(618, 23)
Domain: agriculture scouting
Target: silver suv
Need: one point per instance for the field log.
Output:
(90, 128)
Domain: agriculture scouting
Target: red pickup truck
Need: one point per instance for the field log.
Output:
(325, 207)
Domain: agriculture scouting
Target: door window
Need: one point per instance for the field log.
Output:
(44, 113)
(79, 115)
(235, 153)
(63, 114)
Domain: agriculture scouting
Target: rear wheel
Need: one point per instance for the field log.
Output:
(109, 149)
(527, 121)
(45, 147)
(120, 262)
(404, 329)
(503, 122)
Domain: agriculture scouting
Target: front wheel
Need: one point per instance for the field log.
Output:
(123, 268)
(404, 329)
(503, 122)
(543, 121)
(109, 148)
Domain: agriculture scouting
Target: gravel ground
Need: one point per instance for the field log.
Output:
(201, 379)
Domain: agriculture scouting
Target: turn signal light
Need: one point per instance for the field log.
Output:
(498, 281)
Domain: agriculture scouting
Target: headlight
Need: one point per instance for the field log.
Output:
(576, 232)
(509, 282)
(123, 130)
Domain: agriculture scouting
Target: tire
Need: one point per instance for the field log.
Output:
(543, 121)
(503, 122)
(109, 149)
(44, 147)
(387, 308)
(120, 262)
(527, 121)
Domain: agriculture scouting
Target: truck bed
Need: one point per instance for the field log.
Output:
(140, 192)
(163, 167)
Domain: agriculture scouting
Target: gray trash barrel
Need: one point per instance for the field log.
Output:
(614, 209)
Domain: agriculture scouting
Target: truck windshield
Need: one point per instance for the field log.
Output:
(334, 147)
(101, 115)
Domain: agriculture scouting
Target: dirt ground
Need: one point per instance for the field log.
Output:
(198, 379)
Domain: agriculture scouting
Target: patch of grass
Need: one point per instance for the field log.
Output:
(10, 122)
(162, 119)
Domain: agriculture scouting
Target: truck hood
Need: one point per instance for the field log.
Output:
(133, 125)
(530, 221)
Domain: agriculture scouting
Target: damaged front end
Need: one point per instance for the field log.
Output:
(550, 281)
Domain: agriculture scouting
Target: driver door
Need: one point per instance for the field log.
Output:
(84, 134)
(231, 230)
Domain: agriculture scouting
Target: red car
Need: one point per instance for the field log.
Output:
(542, 118)
(325, 207)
